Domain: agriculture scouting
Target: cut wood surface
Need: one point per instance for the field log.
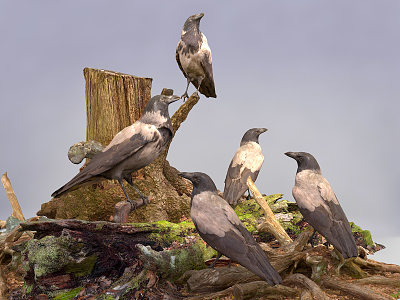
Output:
(271, 224)
(17, 212)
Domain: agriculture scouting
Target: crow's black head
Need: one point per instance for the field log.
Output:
(201, 182)
(252, 135)
(305, 161)
(192, 23)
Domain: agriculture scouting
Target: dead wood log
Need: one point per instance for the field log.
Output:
(172, 264)
(270, 224)
(301, 280)
(251, 290)
(379, 280)
(288, 254)
(352, 289)
(318, 266)
(3, 286)
(374, 265)
(306, 295)
(218, 279)
(17, 212)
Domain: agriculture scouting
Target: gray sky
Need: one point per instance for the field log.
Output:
(322, 76)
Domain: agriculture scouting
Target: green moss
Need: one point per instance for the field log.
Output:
(69, 294)
(365, 233)
(48, 254)
(82, 268)
(166, 232)
(271, 199)
(28, 289)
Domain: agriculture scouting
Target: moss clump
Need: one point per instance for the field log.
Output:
(166, 232)
(70, 294)
(51, 254)
(366, 234)
(82, 268)
(48, 254)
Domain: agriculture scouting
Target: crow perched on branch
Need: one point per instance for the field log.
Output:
(246, 162)
(319, 206)
(131, 149)
(220, 227)
(194, 58)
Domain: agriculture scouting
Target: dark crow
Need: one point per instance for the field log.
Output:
(131, 149)
(246, 162)
(319, 206)
(194, 58)
(219, 226)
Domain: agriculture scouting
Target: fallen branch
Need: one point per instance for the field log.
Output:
(17, 212)
(352, 289)
(301, 280)
(381, 280)
(374, 265)
(3, 286)
(172, 264)
(270, 224)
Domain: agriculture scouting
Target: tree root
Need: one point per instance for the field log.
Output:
(378, 266)
(352, 289)
(380, 280)
(251, 290)
(303, 281)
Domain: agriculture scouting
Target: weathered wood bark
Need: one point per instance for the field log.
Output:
(17, 212)
(353, 289)
(271, 224)
(303, 281)
(114, 101)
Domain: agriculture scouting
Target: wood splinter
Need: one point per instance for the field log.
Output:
(17, 212)
(270, 224)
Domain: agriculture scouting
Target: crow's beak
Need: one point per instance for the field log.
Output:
(186, 175)
(262, 130)
(199, 16)
(171, 99)
(291, 154)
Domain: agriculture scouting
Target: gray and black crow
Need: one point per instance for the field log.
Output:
(246, 162)
(220, 227)
(194, 58)
(319, 206)
(131, 149)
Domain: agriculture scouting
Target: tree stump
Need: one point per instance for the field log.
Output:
(114, 101)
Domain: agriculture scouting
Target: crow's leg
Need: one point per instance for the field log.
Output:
(215, 261)
(248, 196)
(121, 183)
(230, 261)
(128, 179)
(199, 80)
(185, 95)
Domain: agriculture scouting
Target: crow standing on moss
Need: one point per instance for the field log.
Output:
(246, 162)
(131, 149)
(319, 206)
(194, 58)
(220, 227)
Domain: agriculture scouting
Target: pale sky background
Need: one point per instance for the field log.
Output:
(322, 76)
